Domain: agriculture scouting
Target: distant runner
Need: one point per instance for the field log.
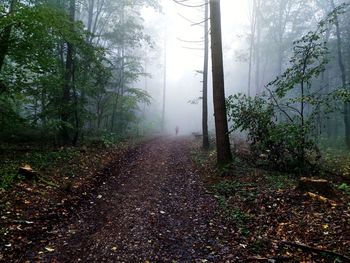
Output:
(177, 130)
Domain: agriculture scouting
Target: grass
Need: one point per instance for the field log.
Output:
(345, 188)
(230, 188)
(236, 215)
(264, 204)
(39, 160)
(279, 181)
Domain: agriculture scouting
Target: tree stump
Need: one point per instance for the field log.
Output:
(320, 186)
(28, 172)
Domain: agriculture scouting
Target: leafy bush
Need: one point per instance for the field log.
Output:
(280, 125)
(282, 145)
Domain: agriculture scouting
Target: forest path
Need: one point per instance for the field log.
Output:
(155, 209)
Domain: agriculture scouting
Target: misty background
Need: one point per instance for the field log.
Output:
(72, 70)
(184, 59)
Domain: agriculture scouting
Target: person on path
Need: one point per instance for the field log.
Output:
(177, 130)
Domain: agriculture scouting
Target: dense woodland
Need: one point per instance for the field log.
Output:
(68, 68)
(79, 125)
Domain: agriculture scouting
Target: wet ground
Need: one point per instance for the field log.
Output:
(154, 209)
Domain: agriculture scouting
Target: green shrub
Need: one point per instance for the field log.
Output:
(345, 188)
(281, 145)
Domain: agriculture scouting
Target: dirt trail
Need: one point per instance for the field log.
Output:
(155, 209)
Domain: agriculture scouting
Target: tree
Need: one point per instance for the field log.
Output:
(224, 155)
(342, 74)
(5, 35)
(68, 79)
(281, 127)
(62, 81)
(205, 79)
(205, 140)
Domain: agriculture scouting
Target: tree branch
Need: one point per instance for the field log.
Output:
(314, 249)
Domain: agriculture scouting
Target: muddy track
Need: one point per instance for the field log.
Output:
(154, 209)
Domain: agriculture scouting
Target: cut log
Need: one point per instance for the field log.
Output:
(28, 172)
(320, 186)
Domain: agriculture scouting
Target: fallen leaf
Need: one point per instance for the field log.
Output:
(49, 249)
(114, 248)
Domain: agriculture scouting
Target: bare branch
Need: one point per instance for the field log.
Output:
(183, 4)
(278, 105)
(190, 41)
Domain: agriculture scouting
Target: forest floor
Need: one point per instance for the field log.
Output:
(162, 201)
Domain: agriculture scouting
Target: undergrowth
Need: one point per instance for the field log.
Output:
(40, 161)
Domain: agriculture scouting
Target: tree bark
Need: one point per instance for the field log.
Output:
(164, 80)
(91, 7)
(224, 155)
(5, 37)
(205, 80)
(251, 45)
(68, 81)
(257, 46)
(343, 77)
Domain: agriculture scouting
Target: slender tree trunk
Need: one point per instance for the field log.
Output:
(205, 80)
(76, 109)
(251, 46)
(257, 47)
(224, 155)
(91, 7)
(280, 38)
(68, 81)
(164, 79)
(99, 9)
(5, 43)
(5, 37)
(343, 77)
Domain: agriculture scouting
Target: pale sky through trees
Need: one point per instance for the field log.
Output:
(184, 83)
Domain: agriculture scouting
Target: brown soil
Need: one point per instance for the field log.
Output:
(154, 209)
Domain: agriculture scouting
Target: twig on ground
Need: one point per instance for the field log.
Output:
(314, 249)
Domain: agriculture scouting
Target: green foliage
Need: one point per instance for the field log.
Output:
(279, 181)
(10, 114)
(231, 188)
(308, 62)
(345, 188)
(8, 173)
(270, 141)
(33, 77)
(38, 160)
(110, 138)
(235, 215)
(280, 125)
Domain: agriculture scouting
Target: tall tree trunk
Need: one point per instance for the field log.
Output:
(164, 80)
(251, 46)
(5, 36)
(91, 7)
(343, 77)
(68, 81)
(76, 109)
(280, 34)
(257, 46)
(224, 155)
(205, 80)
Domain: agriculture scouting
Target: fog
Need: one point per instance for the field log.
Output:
(101, 68)
(184, 59)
